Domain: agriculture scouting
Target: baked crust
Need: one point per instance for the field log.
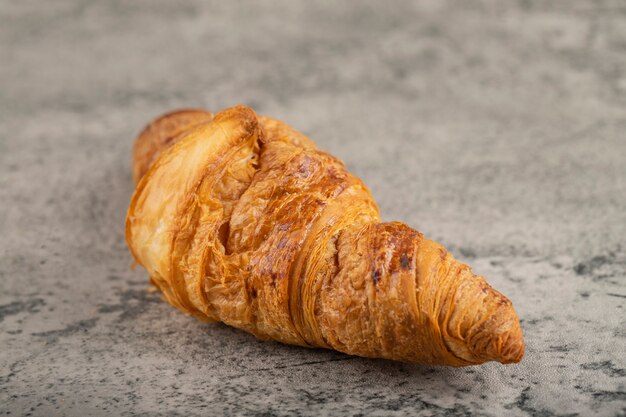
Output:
(242, 219)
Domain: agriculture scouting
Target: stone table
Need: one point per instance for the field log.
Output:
(498, 129)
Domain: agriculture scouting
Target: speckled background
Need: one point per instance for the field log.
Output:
(497, 128)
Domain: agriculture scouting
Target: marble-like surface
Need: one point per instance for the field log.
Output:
(497, 128)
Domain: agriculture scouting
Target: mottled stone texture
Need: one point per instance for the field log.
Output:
(497, 128)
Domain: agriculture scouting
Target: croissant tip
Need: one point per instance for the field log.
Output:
(503, 342)
(512, 350)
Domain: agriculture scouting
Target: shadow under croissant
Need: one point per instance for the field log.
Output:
(319, 377)
(222, 361)
(335, 376)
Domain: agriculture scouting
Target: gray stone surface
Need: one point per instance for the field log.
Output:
(496, 128)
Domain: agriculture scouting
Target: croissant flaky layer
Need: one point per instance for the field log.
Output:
(241, 219)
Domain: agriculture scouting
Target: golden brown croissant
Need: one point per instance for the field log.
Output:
(241, 219)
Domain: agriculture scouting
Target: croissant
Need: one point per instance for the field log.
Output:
(241, 219)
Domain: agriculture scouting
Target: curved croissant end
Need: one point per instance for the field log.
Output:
(160, 134)
(241, 219)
